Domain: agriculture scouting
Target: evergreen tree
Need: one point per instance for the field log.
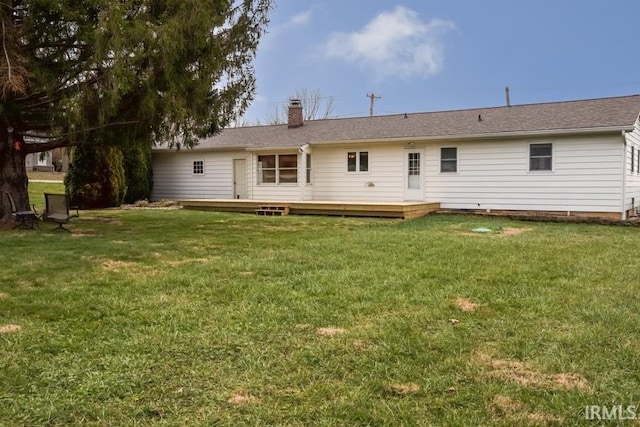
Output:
(74, 71)
(96, 177)
(137, 172)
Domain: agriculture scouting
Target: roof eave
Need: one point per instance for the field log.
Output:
(273, 148)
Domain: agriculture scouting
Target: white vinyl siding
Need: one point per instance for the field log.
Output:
(632, 178)
(495, 175)
(384, 181)
(173, 176)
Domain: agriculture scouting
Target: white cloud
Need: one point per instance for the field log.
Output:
(296, 21)
(393, 44)
(301, 18)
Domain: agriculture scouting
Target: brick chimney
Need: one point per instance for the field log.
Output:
(295, 113)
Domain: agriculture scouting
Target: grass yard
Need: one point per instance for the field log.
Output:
(37, 190)
(175, 317)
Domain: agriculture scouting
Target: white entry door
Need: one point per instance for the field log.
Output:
(414, 181)
(239, 178)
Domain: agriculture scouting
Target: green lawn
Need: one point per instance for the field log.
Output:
(175, 317)
(37, 190)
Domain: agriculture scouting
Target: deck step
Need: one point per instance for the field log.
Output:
(273, 210)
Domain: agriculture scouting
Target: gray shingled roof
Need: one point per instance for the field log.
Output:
(605, 113)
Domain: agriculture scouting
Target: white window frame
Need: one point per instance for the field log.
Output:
(551, 157)
(308, 179)
(358, 154)
(457, 159)
(277, 169)
(197, 171)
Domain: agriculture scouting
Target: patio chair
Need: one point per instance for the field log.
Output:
(24, 219)
(58, 210)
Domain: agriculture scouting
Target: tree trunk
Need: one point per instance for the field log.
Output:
(13, 176)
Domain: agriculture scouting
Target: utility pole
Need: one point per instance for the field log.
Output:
(373, 98)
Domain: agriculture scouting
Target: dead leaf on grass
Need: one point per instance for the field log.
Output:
(517, 412)
(454, 321)
(519, 372)
(466, 305)
(247, 273)
(241, 399)
(3, 295)
(403, 389)
(330, 332)
(10, 329)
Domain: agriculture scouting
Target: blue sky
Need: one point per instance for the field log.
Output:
(421, 55)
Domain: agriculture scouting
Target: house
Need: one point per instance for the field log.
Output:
(56, 160)
(574, 158)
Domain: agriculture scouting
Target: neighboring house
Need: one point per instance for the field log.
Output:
(55, 160)
(570, 158)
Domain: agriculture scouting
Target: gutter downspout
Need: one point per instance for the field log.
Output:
(623, 215)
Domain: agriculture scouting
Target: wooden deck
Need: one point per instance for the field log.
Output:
(405, 210)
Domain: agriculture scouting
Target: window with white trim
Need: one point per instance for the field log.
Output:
(541, 157)
(278, 169)
(198, 167)
(357, 161)
(633, 157)
(448, 159)
(308, 180)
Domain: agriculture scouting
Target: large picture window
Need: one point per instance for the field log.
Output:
(540, 157)
(278, 169)
(449, 159)
(358, 161)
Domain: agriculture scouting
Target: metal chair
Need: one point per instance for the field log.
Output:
(58, 210)
(24, 219)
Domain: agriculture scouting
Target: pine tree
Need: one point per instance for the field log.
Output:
(96, 72)
(96, 177)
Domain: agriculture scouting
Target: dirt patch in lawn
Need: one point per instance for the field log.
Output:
(10, 329)
(145, 204)
(178, 263)
(467, 305)
(520, 373)
(131, 269)
(241, 399)
(361, 345)
(85, 233)
(517, 413)
(463, 230)
(3, 295)
(403, 389)
(511, 231)
(330, 332)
